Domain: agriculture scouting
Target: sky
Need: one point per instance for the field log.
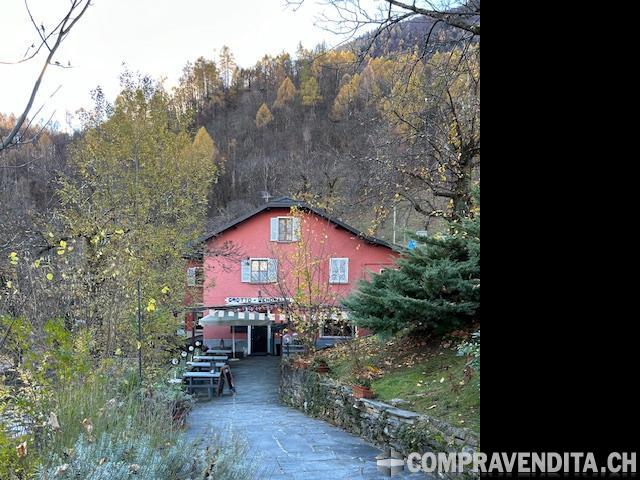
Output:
(155, 37)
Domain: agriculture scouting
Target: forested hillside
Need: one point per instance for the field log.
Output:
(382, 122)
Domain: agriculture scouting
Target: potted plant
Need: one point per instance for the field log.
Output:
(362, 388)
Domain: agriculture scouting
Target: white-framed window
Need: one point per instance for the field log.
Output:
(195, 277)
(338, 270)
(259, 270)
(285, 229)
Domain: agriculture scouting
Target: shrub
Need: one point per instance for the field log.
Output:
(129, 455)
(11, 464)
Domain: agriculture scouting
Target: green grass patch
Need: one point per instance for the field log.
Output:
(436, 387)
(427, 374)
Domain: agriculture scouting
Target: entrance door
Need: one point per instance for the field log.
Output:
(259, 340)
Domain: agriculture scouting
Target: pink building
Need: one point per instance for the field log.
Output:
(264, 255)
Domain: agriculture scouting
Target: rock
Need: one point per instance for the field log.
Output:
(397, 401)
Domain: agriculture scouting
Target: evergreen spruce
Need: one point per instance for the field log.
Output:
(435, 288)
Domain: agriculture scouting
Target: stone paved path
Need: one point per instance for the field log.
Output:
(283, 442)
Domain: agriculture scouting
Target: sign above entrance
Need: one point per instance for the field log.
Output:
(245, 300)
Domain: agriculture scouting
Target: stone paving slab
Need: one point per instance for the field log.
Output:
(282, 442)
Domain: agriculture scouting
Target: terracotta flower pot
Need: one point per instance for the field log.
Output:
(361, 392)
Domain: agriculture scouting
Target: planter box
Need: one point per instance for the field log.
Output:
(361, 392)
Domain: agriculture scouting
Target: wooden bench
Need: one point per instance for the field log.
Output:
(291, 348)
(204, 380)
(214, 351)
(210, 358)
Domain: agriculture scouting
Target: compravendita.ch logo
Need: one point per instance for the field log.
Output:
(576, 463)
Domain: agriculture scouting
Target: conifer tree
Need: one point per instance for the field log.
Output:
(263, 116)
(435, 288)
(310, 92)
(286, 93)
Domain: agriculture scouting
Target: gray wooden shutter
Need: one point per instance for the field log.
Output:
(274, 229)
(245, 269)
(296, 229)
(345, 270)
(333, 270)
(272, 270)
(191, 277)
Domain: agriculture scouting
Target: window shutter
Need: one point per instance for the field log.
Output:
(245, 269)
(333, 269)
(274, 229)
(273, 270)
(296, 229)
(345, 270)
(191, 277)
(199, 276)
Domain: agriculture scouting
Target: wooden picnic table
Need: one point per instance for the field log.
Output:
(206, 380)
(202, 366)
(211, 358)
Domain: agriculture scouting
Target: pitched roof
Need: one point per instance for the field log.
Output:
(286, 202)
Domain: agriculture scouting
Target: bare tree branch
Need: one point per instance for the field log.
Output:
(60, 32)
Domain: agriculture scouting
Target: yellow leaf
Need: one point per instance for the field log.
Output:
(119, 231)
(138, 345)
(60, 252)
(36, 264)
(9, 284)
(49, 276)
(165, 290)
(63, 244)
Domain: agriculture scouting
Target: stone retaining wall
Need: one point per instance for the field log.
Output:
(378, 422)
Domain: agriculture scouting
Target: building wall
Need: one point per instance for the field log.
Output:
(324, 239)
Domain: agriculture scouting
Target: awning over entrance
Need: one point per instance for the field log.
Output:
(229, 317)
(243, 319)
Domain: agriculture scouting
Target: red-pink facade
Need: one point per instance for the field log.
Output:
(251, 238)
